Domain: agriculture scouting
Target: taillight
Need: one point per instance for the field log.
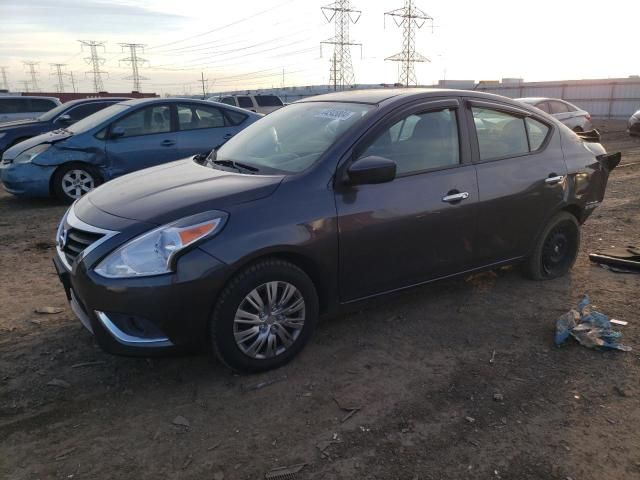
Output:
(588, 116)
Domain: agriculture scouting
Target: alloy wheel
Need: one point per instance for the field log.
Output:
(76, 183)
(269, 320)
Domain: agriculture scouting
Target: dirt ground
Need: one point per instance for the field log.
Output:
(417, 367)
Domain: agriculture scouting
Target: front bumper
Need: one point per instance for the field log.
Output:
(145, 316)
(634, 127)
(26, 179)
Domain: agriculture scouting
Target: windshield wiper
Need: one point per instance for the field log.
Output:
(237, 165)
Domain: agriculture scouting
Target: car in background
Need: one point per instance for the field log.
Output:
(633, 125)
(13, 107)
(122, 138)
(327, 202)
(573, 117)
(61, 116)
(264, 104)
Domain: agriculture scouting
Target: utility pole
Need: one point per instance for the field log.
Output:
(60, 75)
(33, 74)
(341, 13)
(5, 82)
(96, 62)
(410, 18)
(135, 61)
(73, 82)
(203, 81)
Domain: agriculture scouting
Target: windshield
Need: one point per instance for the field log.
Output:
(291, 139)
(96, 119)
(54, 112)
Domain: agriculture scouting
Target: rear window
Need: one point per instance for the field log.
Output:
(41, 104)
(558, 107)
(235, 118)
(268, 101)
(245, 102)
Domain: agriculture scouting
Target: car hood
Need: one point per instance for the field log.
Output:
(49, 137)
(4, 126)
(174, 190)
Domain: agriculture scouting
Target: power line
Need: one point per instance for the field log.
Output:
(5, 82)
(223, 26)
(410, 18)
(58, 73)
(96, 62)
(33, 74)
(341, 13)
(135, 61)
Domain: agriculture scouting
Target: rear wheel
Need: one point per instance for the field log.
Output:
(264, 316)
(72, 181)
(556, 249)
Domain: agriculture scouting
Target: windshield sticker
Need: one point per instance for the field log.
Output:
(334, 114)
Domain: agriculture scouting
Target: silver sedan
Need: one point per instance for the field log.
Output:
(573, 117)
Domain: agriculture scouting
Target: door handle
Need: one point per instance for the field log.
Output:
(228, 136)
(168, 143)
(553, 179)
(455, 197)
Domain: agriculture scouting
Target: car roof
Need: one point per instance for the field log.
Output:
(539, 99)
(143, 101)
(97, 99)
(391, 95)
(56, 99)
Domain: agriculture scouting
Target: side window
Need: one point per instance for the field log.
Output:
(229, 101)
(193, 117)
(40, 105)
(146, 121)
(420, 142)
(235, 118)
(13, 105)
(499, 134)
(245, 102)
(82, 111)
(538, 131)
(268, 101)
(558, 107)
(544, 106)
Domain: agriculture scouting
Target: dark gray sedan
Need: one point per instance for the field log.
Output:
(326, 202)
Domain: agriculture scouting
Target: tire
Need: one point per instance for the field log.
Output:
(238, 324)
(556, 248)
(578, 129)
(86, 176)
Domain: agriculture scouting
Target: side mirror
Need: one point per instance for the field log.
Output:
(117, 132)
(64, 119)
(371, 169)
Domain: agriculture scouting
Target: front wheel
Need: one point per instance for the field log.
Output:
(72, 181)
(264, 316)
(556, 248)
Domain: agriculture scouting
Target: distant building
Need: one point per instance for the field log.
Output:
(65, 97)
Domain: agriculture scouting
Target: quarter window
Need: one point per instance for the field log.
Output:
(538, 131)
(420, 142)
(146, 121)
(194, 117)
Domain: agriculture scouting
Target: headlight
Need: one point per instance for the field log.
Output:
(153, 253)
(31, 153)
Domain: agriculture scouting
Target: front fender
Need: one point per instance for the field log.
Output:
(57, 156)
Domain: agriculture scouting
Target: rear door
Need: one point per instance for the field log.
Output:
(202, 128)
(521, 178)
(421, 225)
(149, 139)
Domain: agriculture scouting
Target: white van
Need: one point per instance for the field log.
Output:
(256, 103)
(14, 107)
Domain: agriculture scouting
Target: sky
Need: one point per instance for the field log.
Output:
(263, 43)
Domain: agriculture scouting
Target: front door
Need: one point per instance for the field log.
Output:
(521, 178)
(421, 225)
(149, 139)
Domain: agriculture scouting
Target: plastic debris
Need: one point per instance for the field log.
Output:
(49, 310)
(589, 327)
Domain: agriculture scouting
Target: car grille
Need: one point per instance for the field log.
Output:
(77, 241)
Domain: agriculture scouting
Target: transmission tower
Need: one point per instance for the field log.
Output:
(96, 62)
(341, 13)
(410, 18)
(58, 73)
(135, 61)
(25, 85)
(5, 82)
(73, 82)
(33, 74)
